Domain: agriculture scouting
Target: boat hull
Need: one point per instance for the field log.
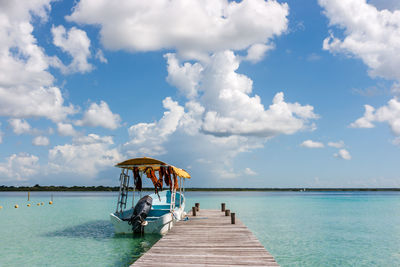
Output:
(155, 225)
(160, 226)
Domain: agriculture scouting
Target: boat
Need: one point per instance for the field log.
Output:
(155, 213)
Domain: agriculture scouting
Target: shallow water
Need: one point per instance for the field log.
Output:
(299, 229)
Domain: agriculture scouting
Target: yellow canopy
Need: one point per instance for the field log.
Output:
(137, 162)
(143, 163)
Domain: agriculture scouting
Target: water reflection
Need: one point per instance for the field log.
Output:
(124, 249)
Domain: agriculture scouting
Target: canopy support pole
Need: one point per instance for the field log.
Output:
(134, 189)
(180, 191)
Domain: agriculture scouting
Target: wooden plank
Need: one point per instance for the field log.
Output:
(207, 239)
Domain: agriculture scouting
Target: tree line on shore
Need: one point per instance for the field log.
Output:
(38, 187)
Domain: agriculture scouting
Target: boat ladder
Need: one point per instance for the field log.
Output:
(123, 191)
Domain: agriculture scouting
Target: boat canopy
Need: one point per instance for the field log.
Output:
(145, 162)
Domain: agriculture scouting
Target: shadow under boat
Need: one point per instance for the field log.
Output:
(128, 248)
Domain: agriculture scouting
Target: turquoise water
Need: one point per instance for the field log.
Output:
(299, 229)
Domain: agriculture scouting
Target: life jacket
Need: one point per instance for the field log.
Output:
(151, 174)
(176, 185)
(167, 175)
(137, 178)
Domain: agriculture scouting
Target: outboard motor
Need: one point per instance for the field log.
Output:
(139, 215)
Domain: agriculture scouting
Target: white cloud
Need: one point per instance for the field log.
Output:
(19, 126)
(343, 154)
(249, 172)
(76, 43)
(312, 144)
(257, 52)
(338, 144)
(100, 56)
(26, 87)
(148, 138)
(86, 156)
(184, 77)
(389, 113)
(198, 27)
(19, 167)
(369, 34)
(100, 116)
(66, 129)
(231, 110)
(40, 141)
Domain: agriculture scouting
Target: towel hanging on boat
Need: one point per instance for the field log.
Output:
(137, 178)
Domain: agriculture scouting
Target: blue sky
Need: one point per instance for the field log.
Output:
(241, 94)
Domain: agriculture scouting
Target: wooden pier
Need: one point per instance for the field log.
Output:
(207, 239)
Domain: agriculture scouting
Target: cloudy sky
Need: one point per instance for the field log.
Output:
(245, 93)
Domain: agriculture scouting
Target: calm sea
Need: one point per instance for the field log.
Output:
(299, 229)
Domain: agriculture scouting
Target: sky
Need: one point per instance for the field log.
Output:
(245, 93)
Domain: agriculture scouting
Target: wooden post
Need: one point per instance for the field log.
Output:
(197, 206)
(222, 206)
(29, 196)
(233, 218)
(194, 211)
(227, 212)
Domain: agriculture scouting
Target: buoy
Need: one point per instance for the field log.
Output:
(28, 205)
(42, 203)
(16, 206)
(1, 207)
(38, 204)
(50, 202)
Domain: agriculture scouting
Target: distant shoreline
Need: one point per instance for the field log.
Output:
(219, 189)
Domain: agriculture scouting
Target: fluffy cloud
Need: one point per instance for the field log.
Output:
(389, 113)
(76, 43)
(339, 144)
(100, 115)
(26, 88)
(249, 172)
(147, 138)
(229, 107)
(66, 129)
(40, 141)
(312, 144)
(198, 27)
(343, 154)
(373, 36)
(257, 52)
(185, 77)
(86, 156)
(19, 126)
(369, 34)
(19, 167)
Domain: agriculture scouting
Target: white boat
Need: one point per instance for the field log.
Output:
(162, 209)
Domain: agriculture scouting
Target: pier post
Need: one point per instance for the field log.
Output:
(197, 206)
(194, 211)
(222, 206)
(227, 212)
(232, 218)
(29, 195)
